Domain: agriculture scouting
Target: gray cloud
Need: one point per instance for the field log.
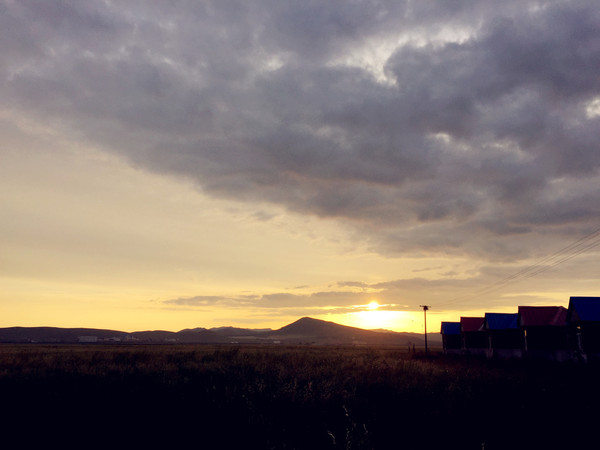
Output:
(199, 300)
(316, 299)
(490, 287)
(358, 284)
(477, 145)
(310, 302)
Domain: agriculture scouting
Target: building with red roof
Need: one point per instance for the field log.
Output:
(544, 332)
(474, 341)
(548, 332)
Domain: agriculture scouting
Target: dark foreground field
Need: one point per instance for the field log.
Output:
(290, 397)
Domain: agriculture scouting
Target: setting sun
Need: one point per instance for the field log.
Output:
(373, 305)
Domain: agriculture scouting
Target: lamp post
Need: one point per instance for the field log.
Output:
(425, 309)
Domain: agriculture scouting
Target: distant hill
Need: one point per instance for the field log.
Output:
(303, 331)
(314, 331)
(56, 335)
(232, 331)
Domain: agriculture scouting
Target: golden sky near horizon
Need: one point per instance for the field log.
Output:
(94, 246)
(112, 257)
(171, 168)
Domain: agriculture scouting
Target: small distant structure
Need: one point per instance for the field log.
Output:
(87, 339)
(451, 338)
(504, 337)
(544, 332)
(473, 337)
(583, 319)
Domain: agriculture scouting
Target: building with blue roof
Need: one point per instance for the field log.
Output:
(547, 332)
(501, 321)
(451, 338)
(583, 309)
(504, 336)
(583, 320)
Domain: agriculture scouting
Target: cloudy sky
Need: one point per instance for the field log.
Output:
(166, 165)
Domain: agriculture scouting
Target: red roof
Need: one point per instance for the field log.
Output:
(471, 323)
(539, 316)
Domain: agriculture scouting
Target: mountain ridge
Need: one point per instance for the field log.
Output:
(306, 330)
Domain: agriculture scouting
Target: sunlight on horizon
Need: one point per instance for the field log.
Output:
(372, 319)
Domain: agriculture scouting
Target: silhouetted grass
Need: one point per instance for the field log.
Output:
(290, 397)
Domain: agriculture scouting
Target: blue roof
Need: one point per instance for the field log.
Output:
(584, 308)
(450, 327)
(501, 321)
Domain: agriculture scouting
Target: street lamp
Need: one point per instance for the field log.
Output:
(425, 309)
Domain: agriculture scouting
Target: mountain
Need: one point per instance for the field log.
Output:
(302, 331)
(313, 331)
(316, 327)
(57, 335)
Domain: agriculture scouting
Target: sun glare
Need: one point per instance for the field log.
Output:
(373, 316)
(374, 319)
(373, 305)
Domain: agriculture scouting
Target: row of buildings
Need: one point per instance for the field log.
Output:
(547, 332)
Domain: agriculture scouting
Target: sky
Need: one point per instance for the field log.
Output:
(182, 164)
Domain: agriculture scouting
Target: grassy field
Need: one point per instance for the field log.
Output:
(290, 397)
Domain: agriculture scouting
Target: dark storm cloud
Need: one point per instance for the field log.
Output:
(475, 144)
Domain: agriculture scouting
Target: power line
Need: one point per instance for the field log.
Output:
(572, 250)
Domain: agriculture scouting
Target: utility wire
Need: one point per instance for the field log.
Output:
(572, 250)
